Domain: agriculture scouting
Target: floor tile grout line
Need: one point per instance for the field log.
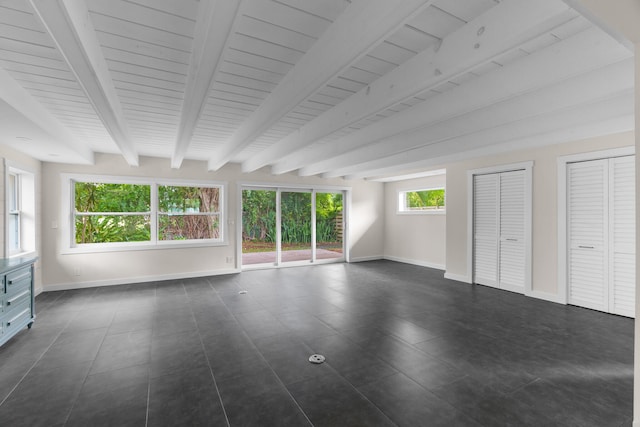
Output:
(310, 351)
(265, 360)
(84, 381)
(204, 350)
(34, 363)
(146, 417)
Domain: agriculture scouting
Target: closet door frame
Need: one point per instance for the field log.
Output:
(527, 167)
(563, 283)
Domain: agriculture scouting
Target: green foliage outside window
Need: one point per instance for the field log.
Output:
(425, 199)
(187, 213)
(107, 213)
(97, 206)
(259, 216)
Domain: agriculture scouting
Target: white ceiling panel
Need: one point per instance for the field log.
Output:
(282, 84)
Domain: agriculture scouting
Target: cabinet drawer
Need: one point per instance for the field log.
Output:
(18, 280)
(17, 318)
(10, 302)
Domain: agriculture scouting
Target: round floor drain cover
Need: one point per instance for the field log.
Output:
(242, 292)
(316, 358)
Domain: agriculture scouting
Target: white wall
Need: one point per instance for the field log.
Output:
(365, 229)
(24, 162)
(416, 239)
(545, 254)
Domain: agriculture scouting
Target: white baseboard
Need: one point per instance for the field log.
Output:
(366, 258)
(636, 424)
(457, 277)
(37, 291)
(546, 296)
(415, 262)
(143, 279)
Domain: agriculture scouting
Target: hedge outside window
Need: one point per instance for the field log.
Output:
(423, 201)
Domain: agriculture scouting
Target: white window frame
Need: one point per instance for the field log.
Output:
(402, 202)
(68, 214)
(24, 188)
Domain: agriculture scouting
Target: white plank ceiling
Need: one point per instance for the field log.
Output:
(352, 88)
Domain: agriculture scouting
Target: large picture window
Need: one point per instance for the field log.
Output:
(118, 212)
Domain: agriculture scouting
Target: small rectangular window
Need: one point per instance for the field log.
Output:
(106, 213)
(188, 213)
(430, 200)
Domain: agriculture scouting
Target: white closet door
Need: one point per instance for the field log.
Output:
(588, 235)
(622, 248)
(485, 228)
(512, 264)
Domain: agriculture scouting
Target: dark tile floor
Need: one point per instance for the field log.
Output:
(403, 346)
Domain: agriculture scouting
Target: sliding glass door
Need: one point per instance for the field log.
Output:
(295, 226)
(329, 226)
(259, 228)
(285, 226)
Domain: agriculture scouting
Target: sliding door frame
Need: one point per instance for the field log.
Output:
(279, 188)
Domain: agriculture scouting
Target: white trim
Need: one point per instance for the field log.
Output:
(141, 279)
(284, 185)
(26, 245)
(528, 168)
(562, 162)
(367, 258)
(457, 277)
(415, 262)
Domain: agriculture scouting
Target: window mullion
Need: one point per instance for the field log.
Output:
(154, 213)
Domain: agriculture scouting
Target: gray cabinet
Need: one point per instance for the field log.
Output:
(17, 308)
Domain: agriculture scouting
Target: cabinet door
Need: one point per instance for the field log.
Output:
(622, 247)
(587, 211)
(485, 229)
(512, 231)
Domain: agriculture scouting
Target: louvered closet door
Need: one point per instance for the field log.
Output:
(485, 229)
(587, 207)
(622, 248)
(512, 231)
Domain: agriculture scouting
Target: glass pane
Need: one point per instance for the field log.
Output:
(14, 233)
(296, 226)
(188, 227)
(113, 228)
(258, 227)
(425, 200)
(100, 197)
(173, 199)
(329, 225)
(13, 192)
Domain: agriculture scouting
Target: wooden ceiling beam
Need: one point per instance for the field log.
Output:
(361, 27)
(568, 58)
(215, 23)
(611, 114)
(69, 25)
(476, 43)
